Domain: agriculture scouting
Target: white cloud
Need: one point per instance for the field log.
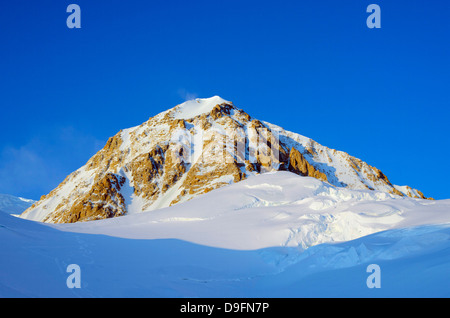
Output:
(186, 95)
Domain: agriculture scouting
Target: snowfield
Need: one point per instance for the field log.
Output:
(272, 235)
(273, 209)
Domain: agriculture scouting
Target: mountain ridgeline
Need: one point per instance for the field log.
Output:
(191, 149)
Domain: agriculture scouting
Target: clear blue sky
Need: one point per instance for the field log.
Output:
(312, 67)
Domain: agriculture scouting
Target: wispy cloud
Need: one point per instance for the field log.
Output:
(186, 95)
(35, 168)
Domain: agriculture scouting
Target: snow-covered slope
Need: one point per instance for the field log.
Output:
(14, 205)
(189, 150)
(288, 217)
(272, 235)
(274, 209)
(197, 107)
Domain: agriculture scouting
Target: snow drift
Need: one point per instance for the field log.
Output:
(272, 235)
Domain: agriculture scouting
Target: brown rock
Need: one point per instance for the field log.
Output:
(299, 165)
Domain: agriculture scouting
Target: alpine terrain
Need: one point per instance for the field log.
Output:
(191, 149)
(215, 203)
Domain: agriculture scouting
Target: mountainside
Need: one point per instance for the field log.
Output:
(14, 205)
(191, 149)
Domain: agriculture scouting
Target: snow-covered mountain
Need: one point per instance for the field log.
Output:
(14, 205)
(273, 235)
(189, 150)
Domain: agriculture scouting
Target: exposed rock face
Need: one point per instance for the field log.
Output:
(103, 201)
(191, 149)
(299, 165)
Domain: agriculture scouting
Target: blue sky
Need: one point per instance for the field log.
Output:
(312, 67)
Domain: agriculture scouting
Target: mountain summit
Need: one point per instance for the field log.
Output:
(190, 149)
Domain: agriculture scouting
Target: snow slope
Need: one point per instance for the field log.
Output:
(273, 235)
(274, 209)
(197, 107)
(14, 205)
(414, 262)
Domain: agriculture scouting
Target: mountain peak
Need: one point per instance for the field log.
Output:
(195, 107)
(191, 149)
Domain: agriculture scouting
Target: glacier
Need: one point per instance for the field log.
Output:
(272, 235)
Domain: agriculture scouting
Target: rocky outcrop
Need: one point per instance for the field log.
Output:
(299, 165)
(145, 169)
(103, 201)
